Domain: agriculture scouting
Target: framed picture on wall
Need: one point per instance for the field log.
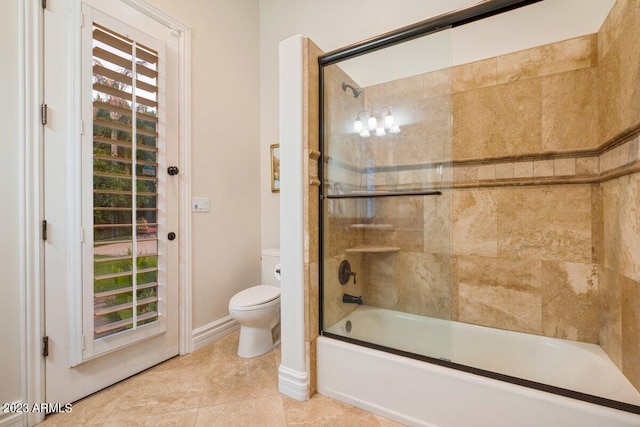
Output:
(275, 168)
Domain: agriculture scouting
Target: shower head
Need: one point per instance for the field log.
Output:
(357, 92)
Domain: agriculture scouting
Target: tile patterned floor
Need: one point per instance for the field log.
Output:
(210, 387)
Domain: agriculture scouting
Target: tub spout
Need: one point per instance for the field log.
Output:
(351, 299)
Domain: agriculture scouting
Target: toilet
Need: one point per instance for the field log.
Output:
(257, 309)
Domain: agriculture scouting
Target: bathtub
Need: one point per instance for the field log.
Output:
(427, 394)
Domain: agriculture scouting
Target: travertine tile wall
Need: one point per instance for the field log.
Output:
(619, 263)
(619, 100)
(540, 100)
(518, 258)
(417, 279)
(310, 206)
(523, 259)
(619, 272)
(422, 105)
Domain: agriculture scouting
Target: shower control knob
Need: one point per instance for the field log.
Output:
(172, 170)
(345, 273)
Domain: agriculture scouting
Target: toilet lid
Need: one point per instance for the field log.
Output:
(255, 295)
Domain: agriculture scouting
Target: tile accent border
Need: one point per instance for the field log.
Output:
(618, 158)
(612, 160)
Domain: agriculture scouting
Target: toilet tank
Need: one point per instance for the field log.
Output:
(270, 262)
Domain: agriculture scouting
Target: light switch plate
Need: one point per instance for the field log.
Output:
(200, 204)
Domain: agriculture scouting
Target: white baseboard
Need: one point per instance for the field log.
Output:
(293, 383)
(12, 420)
(212, 332)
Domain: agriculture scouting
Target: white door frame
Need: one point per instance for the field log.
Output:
(184, 164)
(31, 207)
(31, 186)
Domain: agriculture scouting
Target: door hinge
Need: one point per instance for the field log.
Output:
(44, 4)
(44, 230)
(45, 346)
(43, 114)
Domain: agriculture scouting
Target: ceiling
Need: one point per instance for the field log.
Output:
(534, 25)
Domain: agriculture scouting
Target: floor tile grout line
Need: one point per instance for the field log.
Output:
(214, 345)
(240, 400)
(209, 360)
(205, 363)
(154, 415)
(120, 397)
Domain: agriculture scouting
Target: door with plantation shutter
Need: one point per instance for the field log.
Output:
(122, 315)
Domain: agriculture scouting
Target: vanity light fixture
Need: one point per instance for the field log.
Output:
(381, 127)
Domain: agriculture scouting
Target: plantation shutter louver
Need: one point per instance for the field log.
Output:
(125, 183)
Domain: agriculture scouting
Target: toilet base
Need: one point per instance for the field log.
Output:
(254, 341)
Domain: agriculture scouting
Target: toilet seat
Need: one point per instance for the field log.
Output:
(255, 298)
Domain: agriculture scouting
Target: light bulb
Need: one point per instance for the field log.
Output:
(357, 126)
(380, 131)
(395, 129)
(388, 121)
(372, 123)
(365, 133)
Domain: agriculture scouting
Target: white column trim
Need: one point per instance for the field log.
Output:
(294, 384)
(293, 371)
(31, 206)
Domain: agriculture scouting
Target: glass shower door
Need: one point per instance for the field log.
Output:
(386, 258)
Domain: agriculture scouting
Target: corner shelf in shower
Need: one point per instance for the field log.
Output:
(372, 249)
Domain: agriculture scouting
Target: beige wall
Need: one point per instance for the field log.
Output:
(225, 163)
(10, 303)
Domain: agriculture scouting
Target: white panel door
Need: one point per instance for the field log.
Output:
(111, 269)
